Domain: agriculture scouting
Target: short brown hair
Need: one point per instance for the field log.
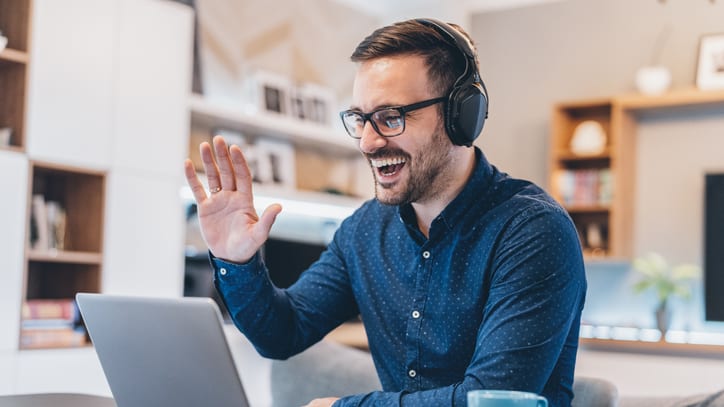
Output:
(445, 63)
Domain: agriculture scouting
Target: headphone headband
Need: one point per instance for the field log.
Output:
(467, 105)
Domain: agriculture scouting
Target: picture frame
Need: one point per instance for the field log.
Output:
(319, 103)
(277, 165)
(710, 66)
(269, 92)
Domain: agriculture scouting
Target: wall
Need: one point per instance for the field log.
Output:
(534, 57)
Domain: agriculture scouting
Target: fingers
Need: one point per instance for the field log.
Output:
(225, 167)
(223, 161)
(210, 168)
(241, 170)
(197, 188)
(267, 218)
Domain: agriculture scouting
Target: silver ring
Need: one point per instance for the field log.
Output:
(215, 190)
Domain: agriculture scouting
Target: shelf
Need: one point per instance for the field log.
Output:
(650, 341)
(327, 138)
(350, 334)
(296, 202)
(14, 149)
(61, 256)
(12, 55)
(674, 98)
(580, 209)
(570, 156)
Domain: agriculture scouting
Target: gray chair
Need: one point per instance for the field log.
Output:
(324, 370)
(330, 369)
(593, 392)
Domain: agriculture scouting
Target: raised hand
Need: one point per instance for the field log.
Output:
(229, 223)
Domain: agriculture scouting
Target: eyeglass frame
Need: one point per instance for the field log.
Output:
(402, 110)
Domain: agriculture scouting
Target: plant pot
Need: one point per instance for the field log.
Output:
(663, 319)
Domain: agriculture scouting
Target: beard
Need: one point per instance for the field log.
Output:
(428, 171)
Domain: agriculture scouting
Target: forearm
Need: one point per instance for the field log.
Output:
(283, 322)
(259, 310)
(452, 395)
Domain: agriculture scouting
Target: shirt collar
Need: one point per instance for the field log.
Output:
(474, 190)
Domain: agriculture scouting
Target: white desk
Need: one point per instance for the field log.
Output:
(56, 400)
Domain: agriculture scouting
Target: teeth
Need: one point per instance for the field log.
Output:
(386, 162)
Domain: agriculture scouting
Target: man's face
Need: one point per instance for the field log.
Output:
(416, 165)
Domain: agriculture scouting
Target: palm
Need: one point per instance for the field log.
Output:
(229, 223)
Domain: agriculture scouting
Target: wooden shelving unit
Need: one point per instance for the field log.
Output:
(15, 25)
(610, 214)
(59, 268)
(309, 139)
(208, 115)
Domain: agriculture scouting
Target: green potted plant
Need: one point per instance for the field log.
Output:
(666, 282)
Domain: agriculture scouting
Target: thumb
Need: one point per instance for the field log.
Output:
(268, 217)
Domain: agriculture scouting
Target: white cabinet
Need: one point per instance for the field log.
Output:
(153, 79)
(70, 101)
(145, 218)
(144, 236)
(13, 205)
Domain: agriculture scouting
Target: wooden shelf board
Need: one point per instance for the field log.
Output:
(62, 256)
(351, 334)
(300, 133)
(584, 104)
(587, 208)
(570, 156)
(659, 347)
(11, 148)
(13, 55)
(674, 98)
(86, 344)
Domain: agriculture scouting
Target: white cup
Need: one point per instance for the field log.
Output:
(3, 42)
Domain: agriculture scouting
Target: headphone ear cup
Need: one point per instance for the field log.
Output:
(466, 111)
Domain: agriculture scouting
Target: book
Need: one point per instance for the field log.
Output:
(65, 309)
(52, 338)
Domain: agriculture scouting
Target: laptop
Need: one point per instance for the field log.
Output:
(162, 351)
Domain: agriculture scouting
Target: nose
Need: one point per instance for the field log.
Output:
(371, 141)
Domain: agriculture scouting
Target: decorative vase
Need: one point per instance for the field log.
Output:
(663, 318)
(653, 80)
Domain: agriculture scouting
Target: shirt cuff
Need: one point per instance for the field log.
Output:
(236, 273)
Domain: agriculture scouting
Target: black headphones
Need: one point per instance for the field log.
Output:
(467, 105)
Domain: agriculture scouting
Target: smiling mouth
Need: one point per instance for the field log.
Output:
(389, 166)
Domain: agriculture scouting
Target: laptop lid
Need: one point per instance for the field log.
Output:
(162, 351)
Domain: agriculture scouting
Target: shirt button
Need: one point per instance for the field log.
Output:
(222, 271)
(426, 254)
(416, 314)
(412, 373)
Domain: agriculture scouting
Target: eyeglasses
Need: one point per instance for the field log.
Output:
(387, 121)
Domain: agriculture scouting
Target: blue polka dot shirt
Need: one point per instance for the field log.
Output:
(491, 300)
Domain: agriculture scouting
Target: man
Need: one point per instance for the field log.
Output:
(464, 277)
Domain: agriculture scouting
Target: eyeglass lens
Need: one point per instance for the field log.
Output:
(387, 122)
